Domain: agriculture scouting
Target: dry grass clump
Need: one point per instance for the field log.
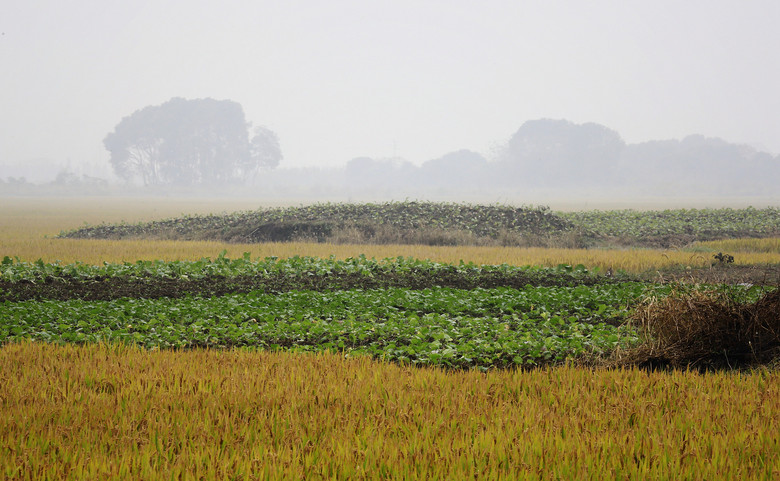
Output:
(707, 329)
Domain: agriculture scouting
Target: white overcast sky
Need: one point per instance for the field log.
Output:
(340, 79)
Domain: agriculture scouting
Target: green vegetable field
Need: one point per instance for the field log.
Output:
(440, 326)
(404, 310)
(400, 309)
(528, 316)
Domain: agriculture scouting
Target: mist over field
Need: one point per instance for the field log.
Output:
(493, 102)
(545, 160)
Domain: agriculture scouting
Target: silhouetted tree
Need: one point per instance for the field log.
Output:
(264, 148)
(699, 164)
(189, 142)
(460, 168)
(560, 152)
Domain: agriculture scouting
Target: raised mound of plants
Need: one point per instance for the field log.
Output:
(427, 223)
(435, 223)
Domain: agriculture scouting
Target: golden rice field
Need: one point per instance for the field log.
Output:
(27, 228)
(109, 412)
(771, 245)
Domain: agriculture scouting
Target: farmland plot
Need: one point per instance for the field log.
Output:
(278, 367)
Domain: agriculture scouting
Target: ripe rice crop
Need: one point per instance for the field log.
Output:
(770, 245)
(98, 251)
(114, 412)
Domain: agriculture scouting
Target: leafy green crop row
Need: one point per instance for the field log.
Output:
(440, 326)
(702, 224)
(15, 270)
(22, 281)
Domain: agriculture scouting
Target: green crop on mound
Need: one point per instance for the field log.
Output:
(401, 222)
(435, 223)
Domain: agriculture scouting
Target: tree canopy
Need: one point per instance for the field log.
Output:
(190, 142)
(562, 152)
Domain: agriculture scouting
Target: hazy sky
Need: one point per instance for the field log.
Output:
(341, 79)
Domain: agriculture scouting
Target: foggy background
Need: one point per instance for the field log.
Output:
(452, 99)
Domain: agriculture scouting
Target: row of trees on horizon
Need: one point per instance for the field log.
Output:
(550, 154)
(208, 143)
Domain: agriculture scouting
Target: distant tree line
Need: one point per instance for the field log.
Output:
(208, 144)
(558, 155)
(66, 182)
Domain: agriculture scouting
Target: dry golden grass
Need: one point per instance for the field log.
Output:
(98, 251)
(109, 412)
(771, 245)
(28, 225)
(35, 216)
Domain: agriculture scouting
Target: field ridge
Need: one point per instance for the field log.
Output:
(21, 281)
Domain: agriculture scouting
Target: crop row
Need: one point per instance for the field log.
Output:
(17, 270)
(701, 224)
(151, 279)
(439, 326)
